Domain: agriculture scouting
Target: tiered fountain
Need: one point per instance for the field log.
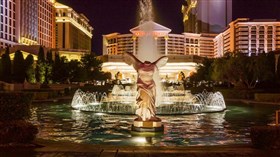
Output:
(147, 100)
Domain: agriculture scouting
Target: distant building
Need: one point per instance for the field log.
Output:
(73, 30)
(206, 16)
(8, 21)
(46, 23)
(184, 50)
(27, 22)
(32, 23)
(249, 36)
(167, 44)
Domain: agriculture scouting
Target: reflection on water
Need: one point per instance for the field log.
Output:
(60, 122)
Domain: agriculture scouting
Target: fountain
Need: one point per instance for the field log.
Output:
(147, 100)
(122, 101)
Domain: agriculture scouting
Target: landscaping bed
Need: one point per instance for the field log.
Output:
(14, 114)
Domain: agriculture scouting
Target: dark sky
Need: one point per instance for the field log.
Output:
(108, 16)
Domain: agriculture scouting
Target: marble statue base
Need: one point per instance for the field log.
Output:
(147, 126)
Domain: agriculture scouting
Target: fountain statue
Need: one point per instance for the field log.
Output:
(147, 100)
(146, 88)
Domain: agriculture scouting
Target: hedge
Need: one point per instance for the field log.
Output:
(266, 137)
(19, 131)
(14, 113)
(15, 106)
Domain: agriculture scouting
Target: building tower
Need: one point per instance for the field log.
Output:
(206, 16)
(8, 35)
(27, 27)
(27, 22)
(250, 37)
(72, 29)
(46, 23)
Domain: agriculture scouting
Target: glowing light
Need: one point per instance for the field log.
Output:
(100, 114)
(52, 1)
(140, 140)
(26, 41)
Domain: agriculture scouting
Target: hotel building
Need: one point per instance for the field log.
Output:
(27, 25)
(73, 30)
(27, 22)
(206, 16)
(8, 26)
(248, 36)
(184, 50)
(46, 23)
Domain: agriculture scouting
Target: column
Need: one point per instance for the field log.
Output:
(250, 39)
(185, 47)
(265, 38)
(257, 38)
(134, 45)
(273, 38)
(198, 47)
(166, 44)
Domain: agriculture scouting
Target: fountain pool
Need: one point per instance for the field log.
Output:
(60, 122)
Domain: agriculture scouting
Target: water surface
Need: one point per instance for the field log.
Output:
(59, 122)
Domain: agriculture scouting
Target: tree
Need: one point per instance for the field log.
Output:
(243, 71)
(278, 68)
(1, 70)
(266, 69)
(219, 69)
(41, 54)
(204, 71)
(19, 67)
(49, 67)
(76, 72)
(41, 66)
(105, 76)
(6, 66)
(60, 69)
(92, 65)
(29, 69)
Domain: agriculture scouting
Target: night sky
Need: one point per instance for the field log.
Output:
(108, 16)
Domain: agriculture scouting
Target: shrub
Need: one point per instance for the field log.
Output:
(18, 131)
(267, 137)
(15, 106)
(14, 109)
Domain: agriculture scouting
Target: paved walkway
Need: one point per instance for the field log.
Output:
(60, 149)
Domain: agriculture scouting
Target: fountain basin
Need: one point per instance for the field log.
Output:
(124, 103)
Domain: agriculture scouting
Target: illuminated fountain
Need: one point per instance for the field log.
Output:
(122, 101)
(146, 62)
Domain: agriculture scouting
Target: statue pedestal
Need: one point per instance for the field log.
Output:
(147, 126)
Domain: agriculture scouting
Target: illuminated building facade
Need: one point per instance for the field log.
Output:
(34, 22)
(73, 30)
(46, 23)
(8, 35)
(206, 16)
(248, 36)
(167, 44)
(184, 50)
(27, 22)
(28, 26)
